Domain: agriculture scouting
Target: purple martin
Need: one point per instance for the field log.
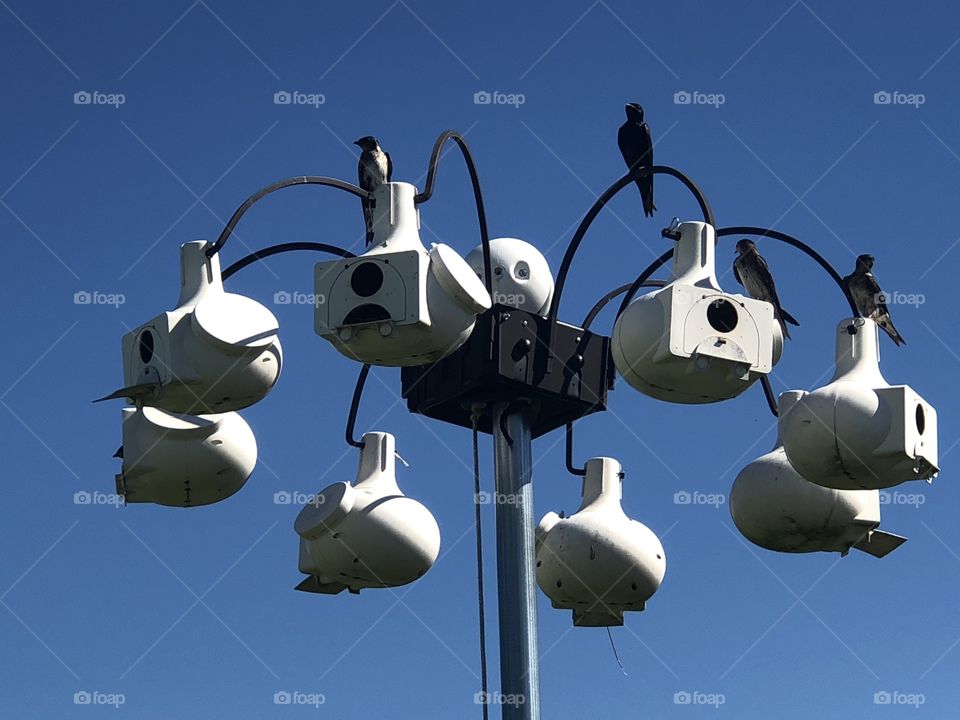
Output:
(636, 146)
(869, 298)
(374, 169)
(752, 272)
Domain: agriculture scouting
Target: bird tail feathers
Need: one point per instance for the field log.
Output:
(787, 317)
(783, 329)
(368, 220)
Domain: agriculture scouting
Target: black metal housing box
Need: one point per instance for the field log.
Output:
(505, 358)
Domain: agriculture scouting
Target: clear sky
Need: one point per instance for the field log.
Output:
(192, 613)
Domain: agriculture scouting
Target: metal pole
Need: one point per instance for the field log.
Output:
(516, 574)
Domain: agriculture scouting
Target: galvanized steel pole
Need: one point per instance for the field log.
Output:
(516, 571)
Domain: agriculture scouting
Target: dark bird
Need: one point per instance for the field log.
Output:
(636, 146)
(374, 169)
(752, 272)
(869, 298)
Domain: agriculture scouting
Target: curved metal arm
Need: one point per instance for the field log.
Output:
(591, 215)
(477, 195)
(789, 240)
(642, 278)
(570, 466)
(768, 394)
(333, 250)
(602, 302)
(289, 182)
(354, 406)
(282, 248)
(601, 201)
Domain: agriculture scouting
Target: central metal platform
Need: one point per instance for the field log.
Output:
(505, 358)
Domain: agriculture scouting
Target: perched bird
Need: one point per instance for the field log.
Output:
(374, 169)
(869, 298)
(752, 272)
(636, 146)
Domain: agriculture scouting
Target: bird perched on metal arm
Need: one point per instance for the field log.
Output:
(636, 146)
(752, 272)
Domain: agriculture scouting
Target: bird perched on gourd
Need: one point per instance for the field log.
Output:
(866, 294)
(374, 169)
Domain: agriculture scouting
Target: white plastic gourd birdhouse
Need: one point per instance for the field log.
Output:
(184, 460)
(690, 342)
(369, 534)
(598, 562)
(774, 507)
(858, 431)
(215, 352)
(521, 275)
(398, 304)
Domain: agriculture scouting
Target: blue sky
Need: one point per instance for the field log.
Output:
(192, 613)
